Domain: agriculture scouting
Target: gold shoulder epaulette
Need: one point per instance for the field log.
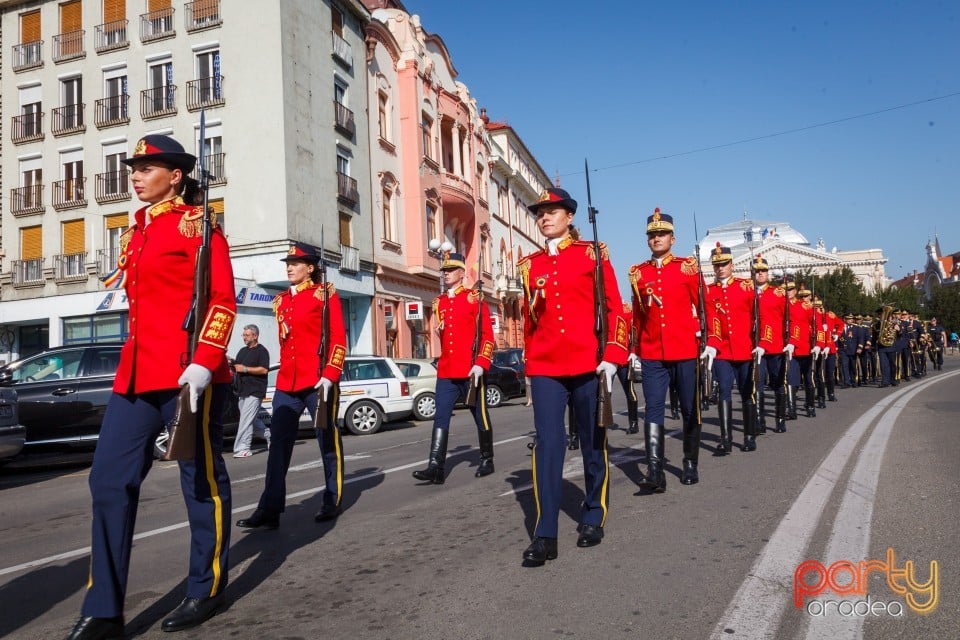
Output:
(126, 237)
(746, 284)
(318, 292)
(690, 267)
(191, 223)
(276, 302)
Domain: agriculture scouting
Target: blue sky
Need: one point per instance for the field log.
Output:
(627, 83)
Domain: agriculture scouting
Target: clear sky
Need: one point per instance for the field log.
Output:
(626, 84)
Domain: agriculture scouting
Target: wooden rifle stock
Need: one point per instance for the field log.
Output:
(604, 400)
(321, 417)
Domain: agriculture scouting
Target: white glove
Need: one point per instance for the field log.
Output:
(476, 372)
(825, 352)
(758, 352)
(789, 349)
(815, 352)
(324, 385)
(709, 353)
(632, 359)
(607, 370)
(198, 377)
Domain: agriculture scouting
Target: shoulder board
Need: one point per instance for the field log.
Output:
(318, 292)
(690, 266)
(126, 236)
(473, 296)
(191, 224)
(588, 244)
(779, 291)
(276, 301)
(747, 285)
(807, 305)
(525, 260)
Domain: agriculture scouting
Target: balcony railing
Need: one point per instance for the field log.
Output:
(347, 188)
(107, 261)
(68, 267)
(112, 186)
(205, 92)
(157, 24)
(344, 118)
(26, 200)
(111, 35)
(27, 127)
(349, 259)
(342, 52)
(203, 14)
(69, 193)
(158, 102)
(508, 287)
(68, 119)
(68, 46)
(214, 164)
(28, 55)
(109, 112)
(27, 273)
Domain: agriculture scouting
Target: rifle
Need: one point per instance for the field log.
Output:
(786, 326)
(704, 375)
(755, 327)
(321, 417)
(182, 430)
(604, 401)
(471, 400)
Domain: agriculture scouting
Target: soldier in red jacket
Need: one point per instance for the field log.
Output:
(299, 312)
(562, 361)
(773, 301)
(825, 369)
(805, 348)
(157, 267)
(666, 293)
(458, 310)
(730, 346)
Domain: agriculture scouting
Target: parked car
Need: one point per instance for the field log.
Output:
(422, 376)
(373, 390)
(502, 383)
(511, 357)
(62, 394)
(12, 433)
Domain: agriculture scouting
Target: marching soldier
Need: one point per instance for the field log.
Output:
(626, 376)
(871, 371)
(825, 366)
(938, 340)
(887, 334)
(850, 353)
(561, 356)
(730, 346)
(904, 348)
(804, 344)
(158, 276)
(666, 293)
(456, 312)
(302, 376)
(772, 347)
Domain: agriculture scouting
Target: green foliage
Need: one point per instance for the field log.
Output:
(907, 298)
(945, 305)
(840, 291)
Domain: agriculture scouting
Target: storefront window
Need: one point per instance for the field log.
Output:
(99, 328)
(420, 339)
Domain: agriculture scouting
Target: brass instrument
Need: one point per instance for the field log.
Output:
(888, 327)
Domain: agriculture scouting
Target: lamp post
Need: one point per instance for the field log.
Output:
(438, 250)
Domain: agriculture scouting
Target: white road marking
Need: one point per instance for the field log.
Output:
(758, 607)
(573, 467)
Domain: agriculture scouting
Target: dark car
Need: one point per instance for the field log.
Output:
(11, 431)
(63, 393)
(502, 382)
(511, 357)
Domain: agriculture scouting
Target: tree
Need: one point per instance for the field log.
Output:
(906, 298)
(945, 305)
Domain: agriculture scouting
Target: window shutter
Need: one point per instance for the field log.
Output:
(117, 221)
(31, 243)
(71, 17)
(30, 27)
(114, 10)
(73, 237)
(204, 9)
(156, 5)
(216, 207)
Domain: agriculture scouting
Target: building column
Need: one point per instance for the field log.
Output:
(455, 135)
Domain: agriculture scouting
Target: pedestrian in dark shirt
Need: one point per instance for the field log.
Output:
(250, 369)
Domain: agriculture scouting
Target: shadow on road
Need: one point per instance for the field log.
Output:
(31, 595)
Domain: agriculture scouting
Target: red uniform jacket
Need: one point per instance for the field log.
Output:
(559, 313)
(300, 321)
(457, 326)
(801, 323)
(730, 318)
(771, 318)
(158, 261)
(833, 328)
(665, 301)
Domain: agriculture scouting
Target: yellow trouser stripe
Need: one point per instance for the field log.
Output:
(214, 490)
(604, 496)
(536, 490)
(337, 444)
(482, 401)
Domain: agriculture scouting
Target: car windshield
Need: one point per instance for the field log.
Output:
(61, 365)
(506, 358)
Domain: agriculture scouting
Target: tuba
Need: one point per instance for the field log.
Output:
(888, 327)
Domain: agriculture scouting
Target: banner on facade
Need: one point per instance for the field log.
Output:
(413, 310)
(254, 297)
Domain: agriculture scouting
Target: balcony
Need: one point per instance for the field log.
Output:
(158, 102)
(157, 25)
(456, 191)
(25, 201)
(213, 163)
(349, 259)
(68, 267)
(107, 261)
(507, 287)
(27, 127)
(347, 189)
(27, 273)
(205, 92)
(68, 46)
(28, 55)
(202, 14)
(111, 35)
(68, 119)
(112, 111)
(344, 118)
(342, 52)
(112, 186)
(69, 194)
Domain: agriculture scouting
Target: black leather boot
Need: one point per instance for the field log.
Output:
(821, 394)
(808, 401)
(653, 439)
(674, 404)
(831, 390)
(573, 438)
(539, 551)
(634, 427)
(780, 412)
(761, 413)
(791, 402)
(260, 519)
(192, 612)
(632, 416)
(749, 427)
(438, 456)
(691, 451)
(90, 628)
(726, 418)
(486, 454)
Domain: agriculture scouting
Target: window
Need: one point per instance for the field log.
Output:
(56, 366)
(431, 225)
(217, 210)
(29, 53)
(31, 254)
(115, 92)
(339, 92)
(336, 19)
(30, 27)
(114, 227)
(212, 152)
(427, 136)
(343, 164)
(74, 249)
(114, 10)
(71, 173)
(71, 98)
(31, 183)
(345, 235)
(384, 115)
(115, 172)
(209, 86)
(160, 94)
(388, 233)
(70, 39)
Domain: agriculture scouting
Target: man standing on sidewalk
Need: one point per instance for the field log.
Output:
(250, 370)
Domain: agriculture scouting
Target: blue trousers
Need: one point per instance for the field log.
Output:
(123, 457)
(726, 371)
(658, 375)
(848, 368)
(287, 409)
(888, 365)
(550, 398)
(776, 374)
(625, 374)
(801, 371)
(448, 391)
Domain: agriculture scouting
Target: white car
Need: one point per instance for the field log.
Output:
(372, 391)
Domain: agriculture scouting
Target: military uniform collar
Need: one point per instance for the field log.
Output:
(163, 207)
(303, 286)
(561, 244)
(664, 261)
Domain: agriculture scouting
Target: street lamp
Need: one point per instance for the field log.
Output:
(438, 251)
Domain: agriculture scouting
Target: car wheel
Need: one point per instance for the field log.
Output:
(160, 444)
(363, 418)
(425, 406)
(494, 396)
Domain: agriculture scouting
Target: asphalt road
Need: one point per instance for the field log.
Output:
(876, 471)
